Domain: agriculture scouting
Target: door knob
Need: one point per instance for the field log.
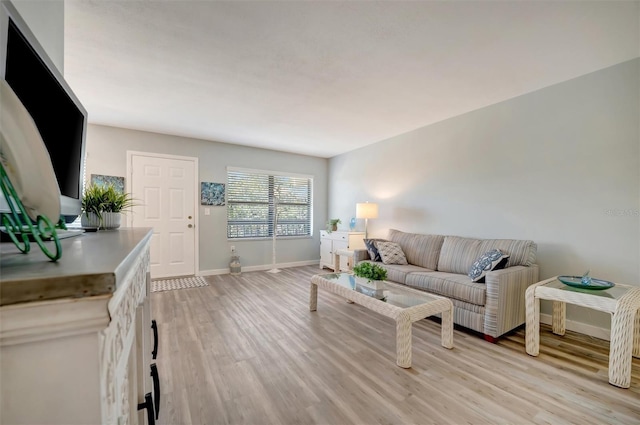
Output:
(190, 226)
(189, 217)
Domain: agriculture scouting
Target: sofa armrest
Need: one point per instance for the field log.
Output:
(360, 255)
(505, 305)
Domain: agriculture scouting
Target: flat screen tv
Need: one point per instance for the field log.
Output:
(58, 114)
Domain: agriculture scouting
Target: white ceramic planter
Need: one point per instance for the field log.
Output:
(372, 288)
(373, 284)
(89, 220)
(110, 220)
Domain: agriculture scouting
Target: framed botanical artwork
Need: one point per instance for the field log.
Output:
(211, 193)
(102, 180)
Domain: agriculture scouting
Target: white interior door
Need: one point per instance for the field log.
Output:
(164, 188)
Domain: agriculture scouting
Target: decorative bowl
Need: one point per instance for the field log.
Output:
(594, 284)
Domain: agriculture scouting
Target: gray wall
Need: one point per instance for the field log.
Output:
(559, 166)
(107, 153)
(46, 20)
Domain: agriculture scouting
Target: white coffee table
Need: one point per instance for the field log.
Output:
(621, 301)
(404, 305)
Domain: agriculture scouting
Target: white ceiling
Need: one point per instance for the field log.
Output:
(326, 77)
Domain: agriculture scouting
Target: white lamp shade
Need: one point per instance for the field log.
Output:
(366, 210)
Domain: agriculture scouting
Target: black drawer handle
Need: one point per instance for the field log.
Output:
(154, 326)
(148, 404)
(156, 388)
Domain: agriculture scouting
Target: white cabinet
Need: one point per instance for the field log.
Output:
(75, 336)
(330, 242)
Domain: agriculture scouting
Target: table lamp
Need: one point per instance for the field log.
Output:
(366, 210)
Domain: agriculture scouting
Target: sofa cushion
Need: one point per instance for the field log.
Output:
(470, 316)
(398, 273)
(451, 285)
(372, 249)
(420, 250)
(391, 253)
(522, 252)
(490, 260)
(458, 254)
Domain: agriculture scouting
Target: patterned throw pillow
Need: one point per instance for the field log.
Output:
(373, 249)
(391, 253)
(490, 260)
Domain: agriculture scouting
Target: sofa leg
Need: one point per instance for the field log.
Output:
(491, 339)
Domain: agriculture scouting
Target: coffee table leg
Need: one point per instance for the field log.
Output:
(447, 328)
(313, 297)
(621, 347)
(636, 335)
(403, 340)
(532, 305)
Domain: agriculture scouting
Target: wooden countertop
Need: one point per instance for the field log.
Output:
(91, 264)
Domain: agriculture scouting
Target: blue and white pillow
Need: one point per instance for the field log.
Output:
(490, 260)
(373, 249)
(391, 253)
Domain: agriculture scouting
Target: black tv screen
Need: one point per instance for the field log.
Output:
(58, 118)
(57, 112)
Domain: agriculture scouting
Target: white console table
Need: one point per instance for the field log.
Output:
(76, 335)
(331, 242)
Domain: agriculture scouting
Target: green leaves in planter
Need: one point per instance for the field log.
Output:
(99, 199)
(370, 271)
(332, 224)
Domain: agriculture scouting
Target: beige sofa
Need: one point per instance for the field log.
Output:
(440, 264)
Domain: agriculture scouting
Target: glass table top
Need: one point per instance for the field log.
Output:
(615, 293)
(390, 293)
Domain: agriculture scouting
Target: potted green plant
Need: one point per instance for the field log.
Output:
(370, 274)
(332, 224)
(102, 206)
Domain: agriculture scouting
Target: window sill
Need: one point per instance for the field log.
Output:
(269, 238)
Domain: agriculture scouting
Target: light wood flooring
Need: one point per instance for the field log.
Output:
(247, 350)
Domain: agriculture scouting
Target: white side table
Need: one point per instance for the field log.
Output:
(621, 301)
(330, 242)
(343, 253)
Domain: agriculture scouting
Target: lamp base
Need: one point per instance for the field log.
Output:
(366, 224)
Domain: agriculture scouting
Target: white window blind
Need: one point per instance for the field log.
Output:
(258, 200)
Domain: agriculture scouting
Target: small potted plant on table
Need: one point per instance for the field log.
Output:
(102, 207)
(332, 224)
(371, 275)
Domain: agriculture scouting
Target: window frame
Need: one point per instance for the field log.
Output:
(272, 177)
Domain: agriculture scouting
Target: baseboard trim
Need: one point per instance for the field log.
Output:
(212, 272)
(260, 268)
(583, 328)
